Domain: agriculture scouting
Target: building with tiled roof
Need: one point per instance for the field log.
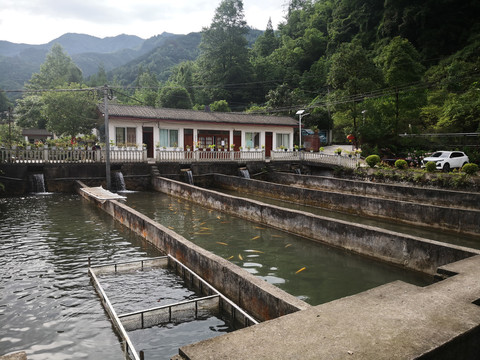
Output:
(179, 128)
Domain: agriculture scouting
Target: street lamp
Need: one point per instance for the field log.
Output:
(300, 113)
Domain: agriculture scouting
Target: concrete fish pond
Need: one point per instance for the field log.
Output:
(261, 299)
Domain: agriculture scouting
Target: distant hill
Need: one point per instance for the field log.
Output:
(121, 55)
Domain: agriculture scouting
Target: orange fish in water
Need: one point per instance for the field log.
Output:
(240, 257)
(255, 237)
(171, 227)
(300, 270)
(222, 243)
(288, 245)
(258, 227)
(231, 257)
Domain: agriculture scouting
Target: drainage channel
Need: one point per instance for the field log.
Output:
(174, 307)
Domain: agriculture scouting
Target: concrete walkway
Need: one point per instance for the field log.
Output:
(394, 321)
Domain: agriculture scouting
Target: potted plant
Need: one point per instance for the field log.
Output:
(188, 147)
(338, 151)
(232, 147)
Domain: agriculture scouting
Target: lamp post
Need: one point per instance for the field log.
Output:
(300, 114)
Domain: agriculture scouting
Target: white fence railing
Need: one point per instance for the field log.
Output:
(49, 155)
(338, 160)
(207, 156)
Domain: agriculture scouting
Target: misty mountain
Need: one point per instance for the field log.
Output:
(19, 61)
(121, 56)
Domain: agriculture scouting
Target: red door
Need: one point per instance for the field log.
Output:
(237, 139)
(268, 143)
(187, 138)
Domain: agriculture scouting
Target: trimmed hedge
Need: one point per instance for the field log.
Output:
(372, 160)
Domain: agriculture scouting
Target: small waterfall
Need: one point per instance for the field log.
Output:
(189, 176)
(244, 173)
(118, 182)
(37, 183)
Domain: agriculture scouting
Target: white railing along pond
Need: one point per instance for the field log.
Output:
(125, 155)
(338, 160)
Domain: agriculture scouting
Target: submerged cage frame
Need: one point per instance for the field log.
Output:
(210, 299)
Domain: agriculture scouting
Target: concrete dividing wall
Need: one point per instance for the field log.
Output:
(259, 298)
(460, 199)
(465, 221)
(408, 251)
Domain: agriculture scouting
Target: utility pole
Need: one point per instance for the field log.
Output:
(107, 137)
(10, 127)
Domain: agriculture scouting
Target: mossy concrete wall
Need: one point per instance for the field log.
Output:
(461, 220)
(259, 298)
(462, 199)
(403, 250)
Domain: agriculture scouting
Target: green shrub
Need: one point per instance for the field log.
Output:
(401, 164)
(431, 166)
(470, 169)
(372, 160)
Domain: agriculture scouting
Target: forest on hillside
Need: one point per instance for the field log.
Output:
(371, 68)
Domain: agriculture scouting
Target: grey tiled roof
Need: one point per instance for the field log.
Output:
(147, 112)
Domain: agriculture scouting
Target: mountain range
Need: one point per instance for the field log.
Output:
(120, 56)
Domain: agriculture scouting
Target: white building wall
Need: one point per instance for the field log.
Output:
(180, 126)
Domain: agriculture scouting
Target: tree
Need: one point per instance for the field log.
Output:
(29, 112)
(267, 42)
(146, 90)
(352, 75)
(70, 111)
(220, 106)
(58, 69)
(224, 67)
(4, 102)
(401, 66)
(174, 97)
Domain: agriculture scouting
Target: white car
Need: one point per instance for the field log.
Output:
(446, 160)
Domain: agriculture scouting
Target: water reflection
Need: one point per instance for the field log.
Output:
(270, 254)
(47, 305)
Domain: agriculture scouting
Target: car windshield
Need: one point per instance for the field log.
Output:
(440, 154)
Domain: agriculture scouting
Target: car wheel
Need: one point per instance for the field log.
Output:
(446, 167)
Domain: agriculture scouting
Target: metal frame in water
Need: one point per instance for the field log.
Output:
(183, 311)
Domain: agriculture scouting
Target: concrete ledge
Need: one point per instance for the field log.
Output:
(259, 298)
(393, 321)
(442, 217)
(400, 249)
(15, 356)
(458, 199)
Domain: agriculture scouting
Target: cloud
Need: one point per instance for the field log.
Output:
(41, 21)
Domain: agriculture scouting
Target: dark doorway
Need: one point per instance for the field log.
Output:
(187, 138)
(148, 140)
(268, 143)
(237, 139)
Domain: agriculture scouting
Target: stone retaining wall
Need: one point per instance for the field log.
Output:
(403, 250)
(442, 217)
(459, 199)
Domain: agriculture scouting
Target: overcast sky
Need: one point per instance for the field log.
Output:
(40, 21)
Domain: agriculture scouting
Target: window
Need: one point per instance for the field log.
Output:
(124, 136)
(168, 138)
(252, 139)
(283, 140)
